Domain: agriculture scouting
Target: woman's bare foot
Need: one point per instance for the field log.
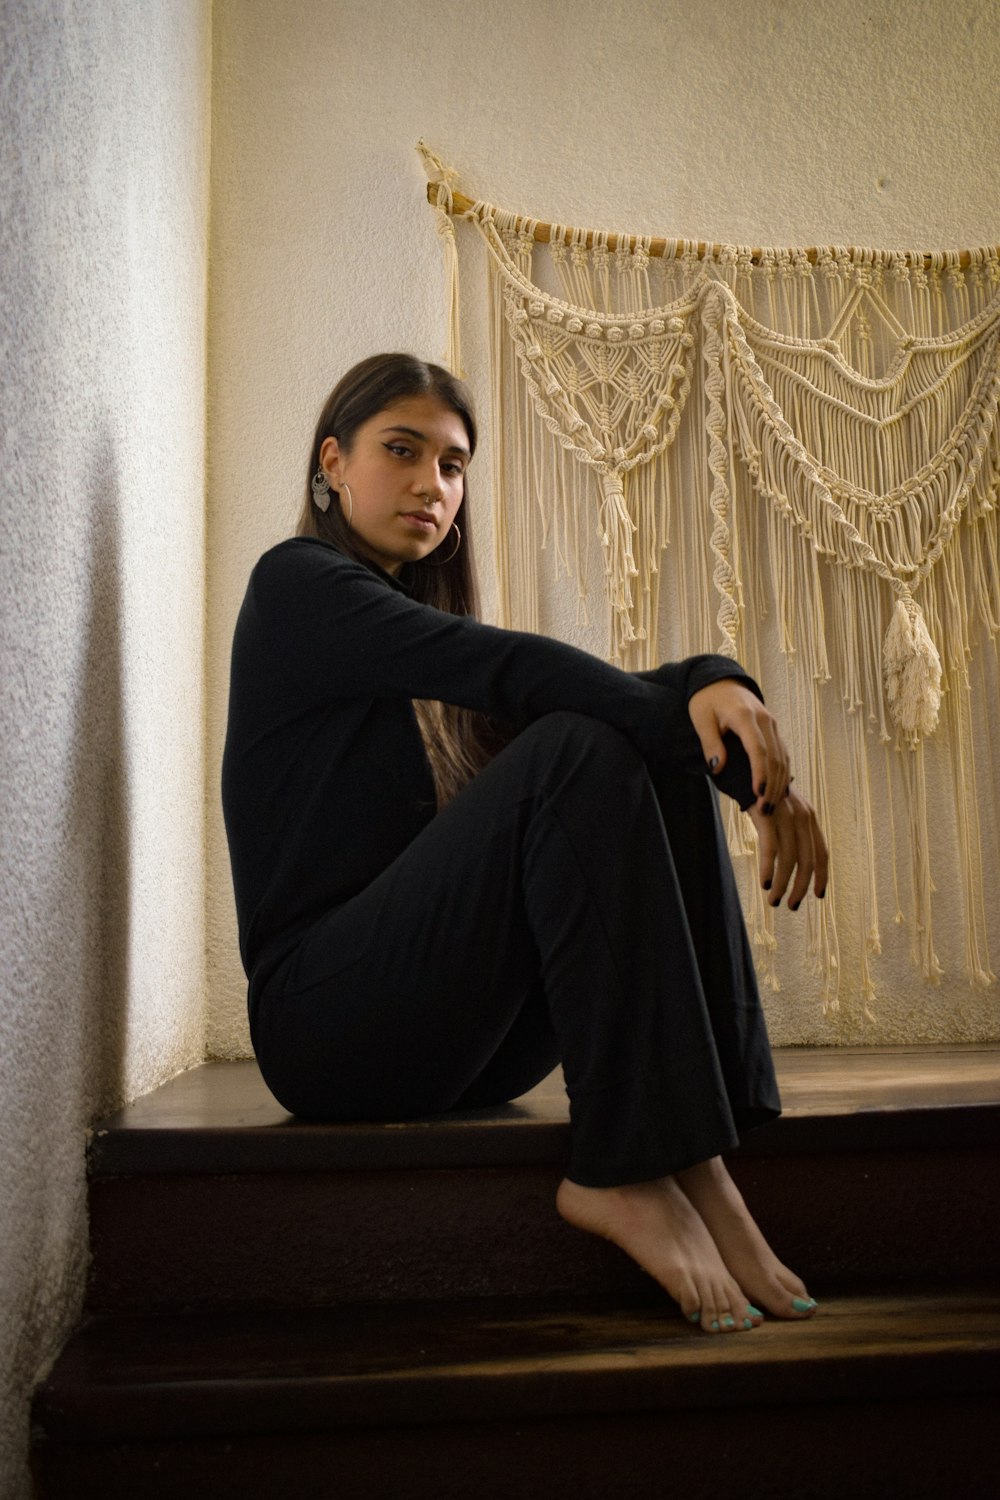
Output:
(658, 1226)
(740, 1243)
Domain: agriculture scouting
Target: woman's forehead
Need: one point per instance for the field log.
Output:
(426, 417)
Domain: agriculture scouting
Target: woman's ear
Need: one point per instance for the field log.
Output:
(329, 458)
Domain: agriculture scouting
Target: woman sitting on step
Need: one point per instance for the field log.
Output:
(463, 855)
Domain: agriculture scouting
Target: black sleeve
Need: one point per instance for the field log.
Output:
(346, 631)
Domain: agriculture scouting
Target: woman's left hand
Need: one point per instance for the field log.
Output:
(790, 847)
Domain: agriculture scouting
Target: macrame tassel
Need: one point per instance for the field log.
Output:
(912, 668)
(615, 531)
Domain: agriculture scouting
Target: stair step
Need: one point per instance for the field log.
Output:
(497, 1397)
(221, 1118)
(208, 1193)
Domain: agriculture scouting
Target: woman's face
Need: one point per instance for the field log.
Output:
(406, 476)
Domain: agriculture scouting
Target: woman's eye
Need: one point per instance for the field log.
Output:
(452, 469)
(400, 449)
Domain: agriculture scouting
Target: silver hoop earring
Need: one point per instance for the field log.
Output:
(350, 500)
(454, 550)
(321, 490)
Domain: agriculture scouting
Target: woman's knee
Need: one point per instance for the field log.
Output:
(576, 731)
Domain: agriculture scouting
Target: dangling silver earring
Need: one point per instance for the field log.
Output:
(321, 490)
(350, 500)
(454, 550)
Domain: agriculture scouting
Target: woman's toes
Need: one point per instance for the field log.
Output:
(792, 1284)
(711, 1316)
(727, 1312)
(732, 1312)
(785, 1304)
(740, 1320)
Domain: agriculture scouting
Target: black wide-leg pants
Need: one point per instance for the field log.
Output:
(566, 907)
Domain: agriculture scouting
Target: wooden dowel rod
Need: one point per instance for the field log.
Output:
(542, 233)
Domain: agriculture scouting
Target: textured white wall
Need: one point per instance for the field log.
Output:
(104, 134)
(783, 122)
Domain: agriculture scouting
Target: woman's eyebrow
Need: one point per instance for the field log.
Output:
(412, 432)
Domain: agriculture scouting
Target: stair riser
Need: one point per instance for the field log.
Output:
(920, 1449)
(315, 1238)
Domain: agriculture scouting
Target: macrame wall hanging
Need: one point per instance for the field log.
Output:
(812, 435)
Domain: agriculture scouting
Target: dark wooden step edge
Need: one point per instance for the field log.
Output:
(859, 1349)
(457, 1142)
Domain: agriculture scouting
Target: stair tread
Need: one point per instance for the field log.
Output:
(220, 1117)
(492, 1358)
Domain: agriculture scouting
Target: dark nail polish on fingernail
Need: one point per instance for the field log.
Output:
(767, 885)
(767, 809)
(821, 895)
(762, 789)
(795, 907)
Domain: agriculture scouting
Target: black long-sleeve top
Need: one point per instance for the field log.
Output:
(325, 779)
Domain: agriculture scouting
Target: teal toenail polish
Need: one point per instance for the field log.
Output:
(728, 1322)
(801, 1304)
(694, 1317)
(715, 1325)
(747, 1323)
(754, 1312)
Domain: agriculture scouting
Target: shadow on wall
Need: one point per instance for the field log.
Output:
(101, 864)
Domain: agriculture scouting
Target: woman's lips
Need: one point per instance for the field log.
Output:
(425, 523)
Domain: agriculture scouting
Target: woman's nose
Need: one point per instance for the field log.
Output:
(428, 484)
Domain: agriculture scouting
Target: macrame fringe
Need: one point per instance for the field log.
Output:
(443, 178)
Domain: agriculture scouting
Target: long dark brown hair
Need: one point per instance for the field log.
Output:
(458, 741)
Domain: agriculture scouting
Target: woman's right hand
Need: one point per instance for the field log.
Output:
(790, 847)
(728, 706)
